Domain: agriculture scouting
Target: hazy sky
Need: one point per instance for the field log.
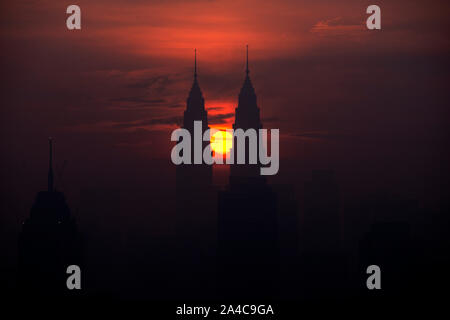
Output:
(114, 90)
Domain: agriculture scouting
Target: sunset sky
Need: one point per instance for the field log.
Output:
(339, 93)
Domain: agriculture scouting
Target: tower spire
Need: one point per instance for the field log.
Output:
(195, 64)
(246, 68)
(50, 165)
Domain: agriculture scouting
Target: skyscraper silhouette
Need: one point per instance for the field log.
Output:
(199, 175)
(196, 202)
(248, 246)
(49, 243)
(247, 116)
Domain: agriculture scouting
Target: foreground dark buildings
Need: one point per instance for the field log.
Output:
(48, 244)
(252, 239)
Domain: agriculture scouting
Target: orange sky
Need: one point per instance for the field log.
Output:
(371, 105)
(129, 70)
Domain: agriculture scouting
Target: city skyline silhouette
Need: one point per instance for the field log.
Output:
(363, 162)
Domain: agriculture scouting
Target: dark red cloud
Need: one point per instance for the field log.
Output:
(122, 81)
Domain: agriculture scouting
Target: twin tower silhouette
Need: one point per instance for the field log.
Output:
(229, 235)
(233, 230)
(247, 120)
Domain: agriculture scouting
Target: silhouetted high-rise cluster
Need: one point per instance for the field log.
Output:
(249, 239)
(246, 230)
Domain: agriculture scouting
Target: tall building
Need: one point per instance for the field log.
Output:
(192, 175)
(248, 246)
(196, 203)
(48, 244)
(247, 116)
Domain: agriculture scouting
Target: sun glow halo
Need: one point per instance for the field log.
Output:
(221, 142)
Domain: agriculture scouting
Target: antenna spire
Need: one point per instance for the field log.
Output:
(195, 64)
(50, 165)
(246, 68)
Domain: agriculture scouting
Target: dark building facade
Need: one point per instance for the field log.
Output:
(196, 203)
(197, 176)
(247, 116)
(248, 246)
(48, 244)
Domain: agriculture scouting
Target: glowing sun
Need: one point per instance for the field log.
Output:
(221, 142)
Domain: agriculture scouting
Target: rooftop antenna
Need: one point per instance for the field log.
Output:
(246, 68)
(50, 166)
(195, 64)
